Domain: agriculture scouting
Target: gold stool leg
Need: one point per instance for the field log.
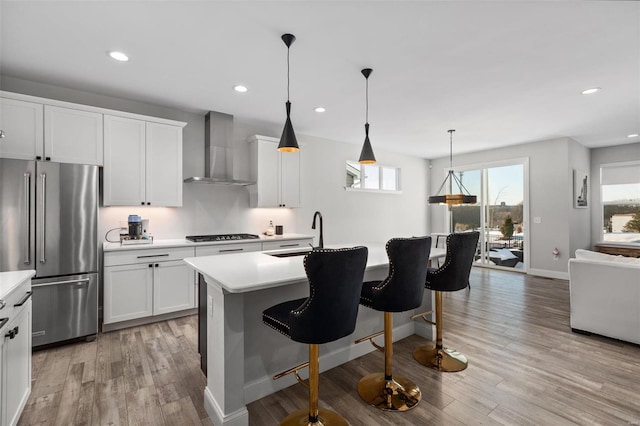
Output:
(314, 416)
(383, 390)
(437, 356)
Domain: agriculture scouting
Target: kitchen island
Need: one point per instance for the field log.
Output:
(243, 354)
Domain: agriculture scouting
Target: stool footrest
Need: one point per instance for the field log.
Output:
(423, 315)
(370, 338)
(294, 371)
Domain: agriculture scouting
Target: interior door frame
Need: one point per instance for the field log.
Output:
(524, 161)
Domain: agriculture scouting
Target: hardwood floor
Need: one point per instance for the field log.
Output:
(526, 367)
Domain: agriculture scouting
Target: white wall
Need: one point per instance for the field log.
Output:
(550, 198)
(612, 154)
(580, 219)
(348, 216)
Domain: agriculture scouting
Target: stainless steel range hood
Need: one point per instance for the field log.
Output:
(218, 152)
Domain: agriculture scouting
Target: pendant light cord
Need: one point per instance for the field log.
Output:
(367, 101)
(451, 149)
(288, 48)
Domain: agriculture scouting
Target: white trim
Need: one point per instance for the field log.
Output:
(237, 418)
(549, 274)
(265, 385)
(377, 191)
(81, 107)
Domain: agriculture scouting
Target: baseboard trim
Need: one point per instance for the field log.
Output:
(549, 274)
(147, 320)
(266, 385)
(237, 418)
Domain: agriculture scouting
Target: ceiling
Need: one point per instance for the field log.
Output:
(500, 73)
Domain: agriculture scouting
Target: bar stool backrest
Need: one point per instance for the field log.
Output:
(453, 275)
(402, 290)
(335, 282)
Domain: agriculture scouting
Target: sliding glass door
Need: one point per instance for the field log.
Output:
(500, 214)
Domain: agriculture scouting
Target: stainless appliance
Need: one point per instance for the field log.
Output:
(49, 221)
(220, 237)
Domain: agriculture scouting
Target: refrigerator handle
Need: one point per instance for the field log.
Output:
(43, 258)
(27, 197)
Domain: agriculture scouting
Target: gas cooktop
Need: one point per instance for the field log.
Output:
(221, 237)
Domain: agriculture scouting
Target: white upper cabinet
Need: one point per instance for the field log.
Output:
(22, 125)
(34, 131)
(277, 174)
(72, 136)
(124, 161)
(143, 163)
(164, 165)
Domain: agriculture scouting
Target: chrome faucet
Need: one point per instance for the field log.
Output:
(313, 226)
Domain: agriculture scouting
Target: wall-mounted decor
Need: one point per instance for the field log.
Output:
(580, 189)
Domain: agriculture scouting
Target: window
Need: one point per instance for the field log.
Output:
(620, 195)
(372, 177)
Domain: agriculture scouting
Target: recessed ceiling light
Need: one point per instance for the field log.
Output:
(319, 109)
(118, 56)
(633, 135)
(240, 88)
(591, 90)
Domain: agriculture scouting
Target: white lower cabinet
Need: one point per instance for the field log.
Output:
(150, 283)
(16, 360)
(15, 353)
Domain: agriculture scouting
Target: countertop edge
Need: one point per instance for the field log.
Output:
(9, 281)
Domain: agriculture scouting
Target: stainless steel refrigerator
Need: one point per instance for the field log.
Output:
(49, 216)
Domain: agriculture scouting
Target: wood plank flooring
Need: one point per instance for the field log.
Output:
(526, 367)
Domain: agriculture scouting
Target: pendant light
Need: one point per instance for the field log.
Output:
(288, 141)
(452, 199)
(366, 155)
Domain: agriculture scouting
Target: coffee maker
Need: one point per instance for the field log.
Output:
(137, 231)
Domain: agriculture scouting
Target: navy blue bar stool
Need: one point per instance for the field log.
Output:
(328, 314)
(453, 275)
(401, 291)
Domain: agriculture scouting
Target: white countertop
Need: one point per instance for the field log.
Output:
(244, 272)
(181, 242)
(10, 280)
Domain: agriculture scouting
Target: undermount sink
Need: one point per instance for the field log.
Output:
(289, 253)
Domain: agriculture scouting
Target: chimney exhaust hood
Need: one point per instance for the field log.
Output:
(218, 152)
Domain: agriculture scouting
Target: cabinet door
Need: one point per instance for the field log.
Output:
(124, 161)
(73, 136)
(173, 287)
(22, 125)
(128, 292)
(268, 174)
(18, 365)
(164, 165)
(290, 179)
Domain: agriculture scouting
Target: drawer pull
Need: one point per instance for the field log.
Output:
(153, 255)
(24, 299)
(3, 321)
(290, 245)
(231, 250)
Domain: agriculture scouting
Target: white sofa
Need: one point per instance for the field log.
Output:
(605, 295)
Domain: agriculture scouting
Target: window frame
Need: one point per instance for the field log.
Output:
(380, 167)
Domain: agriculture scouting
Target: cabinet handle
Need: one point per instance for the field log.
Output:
(38, 157)
(142, 203)
(48, 158)
(151, 265)
(157, 265)
(24, 299)
(148, 203)
(289, 245)
(230, 250)
(3, 321)
(2, 304)
(153, 255)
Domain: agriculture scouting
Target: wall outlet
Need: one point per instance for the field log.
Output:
(210, 306)
(537, 219)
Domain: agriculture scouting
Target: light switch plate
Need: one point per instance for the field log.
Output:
(537, 219)
(210, 306)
